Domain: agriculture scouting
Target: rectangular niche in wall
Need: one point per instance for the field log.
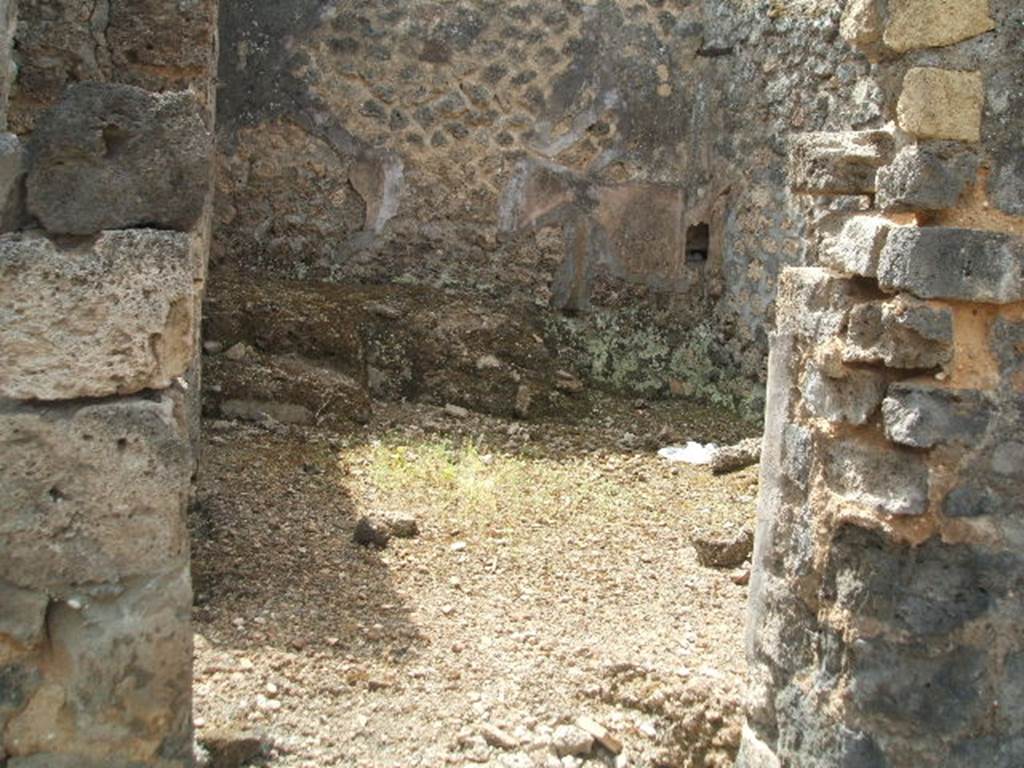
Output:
(698, 239)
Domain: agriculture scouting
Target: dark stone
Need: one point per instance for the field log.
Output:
(232, 749)
(17, 683)
(925, 178)
(928, 591)
(1008, 345)
(723, 550)
(924, 416)
(115, 157)
(970, 501)
(990, 752)
(810, 739)
(953, 263)
(909, 686)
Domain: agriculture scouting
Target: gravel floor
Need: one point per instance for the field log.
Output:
(552, 579)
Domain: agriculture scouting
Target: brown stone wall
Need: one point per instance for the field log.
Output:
(547, 157)
(885, 624)
(106, 183)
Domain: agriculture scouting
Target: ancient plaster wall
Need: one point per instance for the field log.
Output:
(886, 625)
(106, 181)
(539, 156)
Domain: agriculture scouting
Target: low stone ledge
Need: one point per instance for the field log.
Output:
(92, 493)
(838, 163)
(923, 417)
(114, 316)
(953, 263)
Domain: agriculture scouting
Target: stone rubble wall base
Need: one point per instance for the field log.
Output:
(105, 196)
(885, 621)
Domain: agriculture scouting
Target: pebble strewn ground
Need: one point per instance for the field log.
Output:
(552, 579)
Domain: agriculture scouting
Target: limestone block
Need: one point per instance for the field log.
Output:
(121, 693)
(852, 398)
(925, 179)
(899, 334)
(812, 303)
(856, 249)
(923, 416)
(838, 163)
(861, 25)
(115, 156)
(92, 493)
(22, 614)
(114, 316)
(941, 104)
(953, 263)
(933, 23)
(885, 482)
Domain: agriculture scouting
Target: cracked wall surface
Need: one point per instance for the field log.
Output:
(885, 625)
(106, 192)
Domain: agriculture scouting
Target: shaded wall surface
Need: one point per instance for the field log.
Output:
(105, 185)
(886, 625)
(551, 155)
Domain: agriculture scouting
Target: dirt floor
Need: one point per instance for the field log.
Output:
(552, 578)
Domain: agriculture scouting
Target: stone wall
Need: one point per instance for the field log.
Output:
(886, 623)
(106, 183)
(555, 156)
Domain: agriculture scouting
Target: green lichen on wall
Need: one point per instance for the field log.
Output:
(633, 351)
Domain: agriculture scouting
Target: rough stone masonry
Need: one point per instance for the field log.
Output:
(586, 156)
(886, 625)
(106, 195)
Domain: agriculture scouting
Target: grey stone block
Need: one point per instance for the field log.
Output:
(92, 493)
(885, 482)
(925, 178)
(126, 659)
(114, 156)
(115, 316)
(899, 334)
(12, 182)
(953, 263)
(853, 398)
(1007, 341)
(924, 416)
(838, 163)
(17, 683)
(22, 614)
(909, 685)
(971, 501)
(857, 248)
(927, 592)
